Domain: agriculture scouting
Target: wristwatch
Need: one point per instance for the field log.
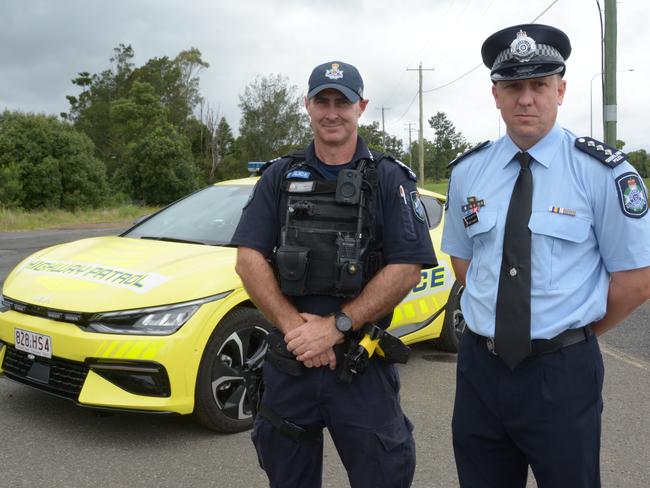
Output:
(343, 323)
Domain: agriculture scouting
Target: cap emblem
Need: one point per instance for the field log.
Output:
(334, 73)
(523, 48)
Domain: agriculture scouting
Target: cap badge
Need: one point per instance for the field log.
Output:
(523, 48)
(335, 73)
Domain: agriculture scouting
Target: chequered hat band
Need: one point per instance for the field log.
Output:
(543, 51)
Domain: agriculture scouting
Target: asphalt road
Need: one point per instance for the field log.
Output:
(47, 441)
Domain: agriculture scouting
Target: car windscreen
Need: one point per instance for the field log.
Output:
(209, 216)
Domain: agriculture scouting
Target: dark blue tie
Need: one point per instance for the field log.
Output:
(512, 327)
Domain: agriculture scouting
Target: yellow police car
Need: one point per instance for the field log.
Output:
(156, 319)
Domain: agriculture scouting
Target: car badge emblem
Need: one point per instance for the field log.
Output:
(334, 73)
(523, 48)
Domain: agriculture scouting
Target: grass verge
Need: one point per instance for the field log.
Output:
(15, 220)
(438, 187)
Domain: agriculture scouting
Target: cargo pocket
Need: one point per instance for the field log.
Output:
(396, 464)
(557, 241)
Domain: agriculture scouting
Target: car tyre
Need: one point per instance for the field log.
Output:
(454, 323)
(233, 356)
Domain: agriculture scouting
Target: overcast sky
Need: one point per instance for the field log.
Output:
(45, 43)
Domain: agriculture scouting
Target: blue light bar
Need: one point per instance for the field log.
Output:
(255, 166)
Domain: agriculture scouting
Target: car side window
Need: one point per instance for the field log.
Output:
(434, 210)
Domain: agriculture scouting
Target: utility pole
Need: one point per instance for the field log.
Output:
(410, 145)
(420, 135)
(383, 130)
(609, 94)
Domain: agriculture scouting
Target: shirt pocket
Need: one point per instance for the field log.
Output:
(558, 249)
(483, 236)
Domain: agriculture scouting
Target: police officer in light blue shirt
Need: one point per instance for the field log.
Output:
(577, 269)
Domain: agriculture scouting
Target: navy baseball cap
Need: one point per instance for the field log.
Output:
(338, 75)
(526, 51)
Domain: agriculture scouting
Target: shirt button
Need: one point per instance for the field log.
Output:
(513, 272)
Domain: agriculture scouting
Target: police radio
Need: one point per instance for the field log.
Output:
(348, 187)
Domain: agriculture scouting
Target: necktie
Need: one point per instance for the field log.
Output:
(512, 327)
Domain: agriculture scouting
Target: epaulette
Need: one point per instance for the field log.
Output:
(606, 154)
(409, 172)
(471, 150)
(300, 154)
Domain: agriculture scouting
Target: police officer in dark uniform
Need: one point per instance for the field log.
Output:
(332, 239)
(550, 235)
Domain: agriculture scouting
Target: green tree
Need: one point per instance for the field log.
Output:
(372, 135)
(159, 167)
(176, 84)
(447, 144)
(641, 161)
(273, 121)
(11, 186)
(46, 163)
(429, 158)
(125, 105)
(90, 111)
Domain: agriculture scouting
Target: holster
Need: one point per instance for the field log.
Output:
(280, 357)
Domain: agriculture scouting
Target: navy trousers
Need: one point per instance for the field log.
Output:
(546, 414)
(371, 433)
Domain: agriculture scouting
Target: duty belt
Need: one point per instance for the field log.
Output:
(543, 346)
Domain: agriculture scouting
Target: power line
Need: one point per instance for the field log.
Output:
(407, 109)
(480, 64)
(545, 10)
(454, 81)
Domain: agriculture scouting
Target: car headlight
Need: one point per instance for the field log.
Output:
(163, 320)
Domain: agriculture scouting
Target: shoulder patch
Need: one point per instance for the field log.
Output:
(409, 172)
(608, 155)
(471, 150)
(632, 195)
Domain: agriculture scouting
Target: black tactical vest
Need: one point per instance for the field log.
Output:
(327, 244)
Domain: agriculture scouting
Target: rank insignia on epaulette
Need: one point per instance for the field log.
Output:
(604, 153)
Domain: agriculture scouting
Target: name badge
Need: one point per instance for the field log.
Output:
(301, 186)
(470, 219)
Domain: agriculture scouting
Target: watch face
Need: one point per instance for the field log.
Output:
(343, 323)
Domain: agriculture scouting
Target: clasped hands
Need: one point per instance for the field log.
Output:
(312, 342)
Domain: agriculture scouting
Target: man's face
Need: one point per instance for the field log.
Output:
(529, 107)
(334, 118)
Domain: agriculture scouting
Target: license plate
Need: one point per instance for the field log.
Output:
(31, 342)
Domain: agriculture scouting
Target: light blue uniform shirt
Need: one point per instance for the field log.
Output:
(572, 252)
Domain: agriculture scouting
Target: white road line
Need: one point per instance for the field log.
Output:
(626, 358)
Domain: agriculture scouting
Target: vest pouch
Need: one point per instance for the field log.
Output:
(350, 277)
(292, 263)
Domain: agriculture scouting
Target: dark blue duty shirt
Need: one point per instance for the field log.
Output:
(400, 228)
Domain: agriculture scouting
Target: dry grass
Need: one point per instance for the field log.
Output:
(15, 220)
